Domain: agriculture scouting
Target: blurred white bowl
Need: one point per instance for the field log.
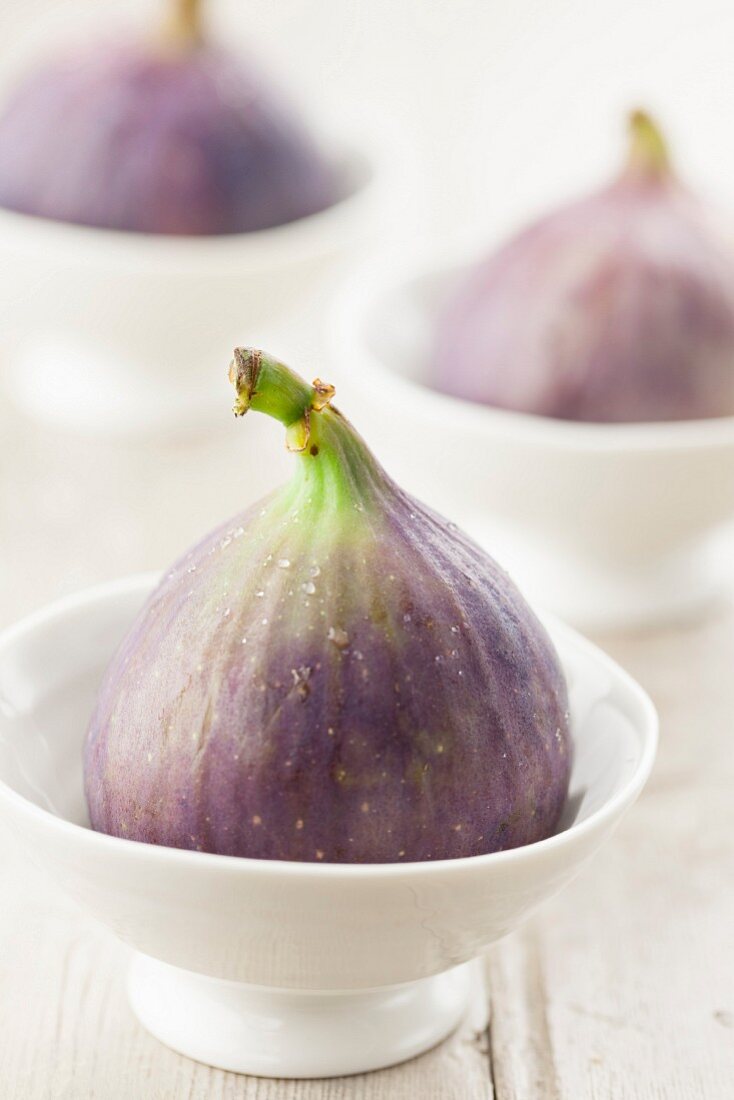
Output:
(121, 332)
(275, 968)
(604, 524)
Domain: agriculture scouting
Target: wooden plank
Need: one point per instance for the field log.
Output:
(521, 1052)
(623, 986)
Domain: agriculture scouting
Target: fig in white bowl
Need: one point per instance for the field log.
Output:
(300, 966)
(190, 202)
(607, 524)
(276, 967)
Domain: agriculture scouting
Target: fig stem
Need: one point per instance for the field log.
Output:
(648, 150)
(335, 469)
(184, 23)
(266, 385)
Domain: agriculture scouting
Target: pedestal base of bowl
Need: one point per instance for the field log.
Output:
(294, 1033)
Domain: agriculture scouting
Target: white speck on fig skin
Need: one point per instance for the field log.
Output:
(339, 637)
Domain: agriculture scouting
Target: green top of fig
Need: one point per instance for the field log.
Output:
(648, 151)
(335, 463)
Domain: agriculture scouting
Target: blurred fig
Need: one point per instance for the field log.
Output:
(171, 135)
(337, 674)
(619, 307)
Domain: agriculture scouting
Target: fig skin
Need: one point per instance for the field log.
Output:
(337, 674)
(171, 137)
(619, 307)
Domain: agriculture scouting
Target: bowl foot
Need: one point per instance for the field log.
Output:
(294, 1033)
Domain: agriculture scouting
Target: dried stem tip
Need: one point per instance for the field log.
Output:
(266, 385)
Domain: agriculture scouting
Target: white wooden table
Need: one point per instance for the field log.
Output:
(622, 987)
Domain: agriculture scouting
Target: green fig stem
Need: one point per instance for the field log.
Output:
(648, 151)
(336, 464)
(264, 384)
(183, 28)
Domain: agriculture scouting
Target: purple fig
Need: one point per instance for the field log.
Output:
(171, 136)
(619, 307)
(337, 674)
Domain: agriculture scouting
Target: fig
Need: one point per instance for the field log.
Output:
(619, 307)
(169, 136)
(337, 674)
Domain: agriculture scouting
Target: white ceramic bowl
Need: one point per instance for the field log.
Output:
(603, 524)
(120, 332)
(275, 968)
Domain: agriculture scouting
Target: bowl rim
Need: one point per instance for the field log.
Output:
(378, 280)
(599, 821)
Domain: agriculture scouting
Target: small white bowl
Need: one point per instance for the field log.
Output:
(288, 969)
(121, 332)
(605, 525)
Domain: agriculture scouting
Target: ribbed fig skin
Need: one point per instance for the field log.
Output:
(347, 684)
(616, 308)
(130, 137)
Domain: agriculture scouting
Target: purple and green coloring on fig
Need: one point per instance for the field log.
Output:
(337, 675)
